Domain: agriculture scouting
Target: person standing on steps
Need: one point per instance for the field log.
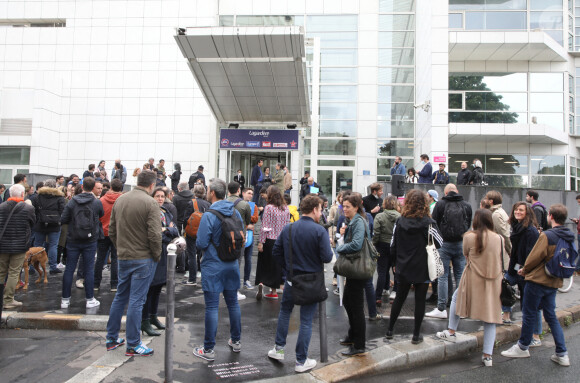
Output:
(256, 179)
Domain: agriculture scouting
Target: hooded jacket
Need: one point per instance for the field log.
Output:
(217, 274)
(49, 200)
(180, 200)
(463, 176)
(108, 201)
(383, 226)
(459, 228)
(410, 237)
(70, 213)
(542, 252)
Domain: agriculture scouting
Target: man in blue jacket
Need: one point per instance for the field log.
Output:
(256, 179)
(426, 174)
(398, 167)
(310, 250)
(218, 277)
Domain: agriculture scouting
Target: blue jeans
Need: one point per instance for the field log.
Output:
(85, 251)
(134, 279)
(212, 300)
(104, 246)
(191, 252)
(50, 242)
(305, 333)
(247, 262)
(537, 296)
(371, 298)
(450, 252)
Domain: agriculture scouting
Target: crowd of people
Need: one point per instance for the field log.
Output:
(85, 223)
(426, 175)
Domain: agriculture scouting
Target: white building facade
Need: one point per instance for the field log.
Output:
(84, 81)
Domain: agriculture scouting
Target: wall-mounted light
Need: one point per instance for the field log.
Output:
(234, 126)
(291, 126)
(425, 106)
(181, 31)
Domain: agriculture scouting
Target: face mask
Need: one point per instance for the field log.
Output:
(423, 162)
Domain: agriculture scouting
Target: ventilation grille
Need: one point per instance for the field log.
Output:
(16, 127)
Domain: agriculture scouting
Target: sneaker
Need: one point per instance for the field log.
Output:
(236, 346)
(60, 266)
(516, 352)
(241, 296)
(535, 343)
(436, 313)
(202, 353)
(248, 285)
(334, 282)
(186, 275)
(189, 283)
(12, 305)
(336, 292)
(140, 350)
(561, 360)
(393, 295)
(308, 365)
(113, 289)
(92, 303)
(446, 335)
(96, 288)
(487, 362)
(276, 354)
(260, 292)
(198, 275)
(376, 318)
(80, 283)
(64, 303)
(114, 343)
(271, 296)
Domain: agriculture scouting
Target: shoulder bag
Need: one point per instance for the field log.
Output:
(434, 263)
(306, 288)
(508, 294)
(359, 265)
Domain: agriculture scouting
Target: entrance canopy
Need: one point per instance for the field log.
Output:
(250, 75)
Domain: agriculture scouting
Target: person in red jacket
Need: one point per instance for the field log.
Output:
(105, 245)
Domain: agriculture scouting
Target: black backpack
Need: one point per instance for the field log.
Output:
(232, 240)
(543, 221)
(48, 211)
(454, 225)
(193, 179)
(84, 222)
(478, 177)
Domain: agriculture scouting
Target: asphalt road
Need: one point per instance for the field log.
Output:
(537, 368)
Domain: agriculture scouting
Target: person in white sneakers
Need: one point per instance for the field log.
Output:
(477, 296)
(541, 288)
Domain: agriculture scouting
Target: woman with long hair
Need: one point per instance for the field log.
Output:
(477, 296)
(268, 271)
(168, 232)
(411, 177)
(353, 298)
(410, 236)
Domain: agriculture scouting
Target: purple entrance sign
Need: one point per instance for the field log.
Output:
(259, 139)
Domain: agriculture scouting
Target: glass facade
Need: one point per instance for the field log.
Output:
(11, 160)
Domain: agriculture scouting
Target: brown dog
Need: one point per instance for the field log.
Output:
(36, 256)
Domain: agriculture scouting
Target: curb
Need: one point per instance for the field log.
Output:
(54, 321)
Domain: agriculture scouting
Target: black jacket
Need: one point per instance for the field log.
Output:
(51, 200)
(172, 210)
(175, 177)
(193, 179)
(180, 201)
(408, 247)
(523, 240)
(71, 211)
(241, 180)
(305, 189)
(255, 178)
(17, 235)
(457, 227)
(463, 176)
(370, 202)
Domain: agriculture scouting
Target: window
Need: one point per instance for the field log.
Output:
(394, 75)
(396, 22)
(336, 162)
(338, 111)
(396, 6)
(10, 155)
(455, 20)
(338, 75)
(337, 128)
(336, 147)
(338, 93)
(399, 129)
(395, 148)
(332, 23)
(395, 93)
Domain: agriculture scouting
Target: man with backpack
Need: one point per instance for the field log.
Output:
(195, 209)
(221, 236)
(453, 217)
(195, 176)
(543, 272)
(48, 206)
(82, 215)
(245, 211)
(539, 209)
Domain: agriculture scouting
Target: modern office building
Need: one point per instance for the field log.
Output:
(360, 81)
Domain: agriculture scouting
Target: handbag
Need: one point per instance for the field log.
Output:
(434, 262)
(307, 288)
(359, 265)
(508, 293)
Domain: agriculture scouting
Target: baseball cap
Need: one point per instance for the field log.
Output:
(434, 194)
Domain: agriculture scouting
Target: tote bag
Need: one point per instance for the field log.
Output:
(434, 262)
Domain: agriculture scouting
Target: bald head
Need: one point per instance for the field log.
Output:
(310, 180)
(450, 188)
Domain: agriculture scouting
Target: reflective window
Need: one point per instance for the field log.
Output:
(553, 119)
(546, 102)
(335, 162)
(396, 93)
(506, 164)
(338, 93)
(338, 111)
(397, 129)
(6, 177)
(405, 56)
(384, 165)
(496, 101)
(488, 117)
(396, 39)
(547, 182)
(395, 112)
(455, 100)
(547, 82)
(10, 155)
(338, 57)
(507, 181)
(396, 6)
(337, 128)
(395, 148)
(226, 21)
(495, 20)
(273, 20)
(336, 39)
(396, 22)
(508, 82)
(487, 4)
(396, 75)
(328, 23)
(546, 20)
(337, 147)
(455, 20)
(555, 165)
(547, 4)
(338, 75)
(307, 146)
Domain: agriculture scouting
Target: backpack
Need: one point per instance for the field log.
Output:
(84, 222)
(193, 221)
(48, 211)
(232, 240)
(478, 177)
(193, 179)
(544, 220)
(453, 225)
(565, 260)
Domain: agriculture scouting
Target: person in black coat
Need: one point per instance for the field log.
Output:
(463, 175)
(175, 177)
(168, 232)
(256, 179)
(239, 178)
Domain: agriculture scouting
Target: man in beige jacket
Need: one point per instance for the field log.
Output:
(500, 222)
(135, 230)
(287, 180)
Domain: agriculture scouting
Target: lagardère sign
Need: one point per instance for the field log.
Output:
(259, 139)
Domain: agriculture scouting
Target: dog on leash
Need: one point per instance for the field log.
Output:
(37, 257)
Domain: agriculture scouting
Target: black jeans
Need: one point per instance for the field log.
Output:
(420, 295)
(353, 301)
(152, 302)
(191, 254)
(384, 264)
(103, 247)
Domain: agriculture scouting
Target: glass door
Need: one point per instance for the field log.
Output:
(333, 180)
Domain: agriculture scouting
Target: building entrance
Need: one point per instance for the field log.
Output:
(246, 160)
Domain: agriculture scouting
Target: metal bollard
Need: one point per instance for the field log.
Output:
(323, 334)
(171, 259)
